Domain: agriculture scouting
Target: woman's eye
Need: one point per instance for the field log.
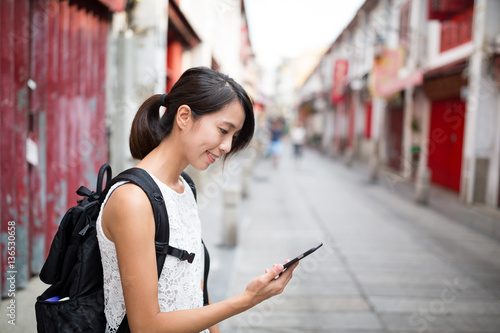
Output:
(223, 131)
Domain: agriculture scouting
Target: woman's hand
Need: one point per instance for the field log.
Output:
(272, 283)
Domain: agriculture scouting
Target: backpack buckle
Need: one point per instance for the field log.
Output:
(182, 255)
(188, 256)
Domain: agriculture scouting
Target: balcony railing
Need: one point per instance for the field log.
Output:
(457, 30)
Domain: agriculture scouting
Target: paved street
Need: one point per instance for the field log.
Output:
(388, 265)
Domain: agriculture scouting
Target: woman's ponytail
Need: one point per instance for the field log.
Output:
(145, 134)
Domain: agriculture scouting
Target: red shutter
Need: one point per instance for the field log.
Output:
(368, 120)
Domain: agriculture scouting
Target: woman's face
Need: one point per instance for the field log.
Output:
(212, 135)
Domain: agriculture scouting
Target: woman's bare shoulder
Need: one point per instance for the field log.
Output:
(127, 208)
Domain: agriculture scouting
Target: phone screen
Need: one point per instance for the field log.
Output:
(303, 255)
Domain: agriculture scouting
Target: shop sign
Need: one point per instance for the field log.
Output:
(384, 70)
(339, 81)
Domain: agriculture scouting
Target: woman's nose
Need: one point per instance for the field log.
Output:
(226, 144)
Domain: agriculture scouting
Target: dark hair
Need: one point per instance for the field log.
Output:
(205, 91)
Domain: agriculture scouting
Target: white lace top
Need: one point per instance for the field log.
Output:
(179, 285)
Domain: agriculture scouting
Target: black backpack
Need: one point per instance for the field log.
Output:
(75, 300)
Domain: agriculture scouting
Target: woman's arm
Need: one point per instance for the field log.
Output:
(128, 221)
(214, 328)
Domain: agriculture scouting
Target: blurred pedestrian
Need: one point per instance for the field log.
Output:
(298, 137)
(275, 146)
(207, 116)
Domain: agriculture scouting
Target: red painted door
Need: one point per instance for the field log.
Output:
(395, 140)
(446, 142)
(368, 120)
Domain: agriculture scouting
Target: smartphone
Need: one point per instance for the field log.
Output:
(303, 255)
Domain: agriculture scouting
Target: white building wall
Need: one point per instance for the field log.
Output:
(218, 24)
(137, 58)
(493, 184)
(481, 162)
(136, 70)
(473, 103)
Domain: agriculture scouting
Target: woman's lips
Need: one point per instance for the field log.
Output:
(211, 157)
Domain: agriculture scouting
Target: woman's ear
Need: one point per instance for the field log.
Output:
(183, 118)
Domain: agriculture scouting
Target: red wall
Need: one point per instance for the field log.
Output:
(368, 119)
(62, 48)
(174, 61)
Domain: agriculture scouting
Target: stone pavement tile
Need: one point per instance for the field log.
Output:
(273, 320)
(422, 285)
(389, 255)
(294, 241)
(405, 278)
(430, 322)
(426, 291)
(383, 263)
(324, 287)
(399, 271)
(295, 303)
(449, 304)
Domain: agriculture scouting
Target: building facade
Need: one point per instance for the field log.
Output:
(53, 120)
(155, 41)
(73, 76)
(412, 86)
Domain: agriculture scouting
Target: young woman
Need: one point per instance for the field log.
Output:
(208, 116)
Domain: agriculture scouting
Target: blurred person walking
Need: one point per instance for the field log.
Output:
(275, 146)
(298, 136)
(207, 116)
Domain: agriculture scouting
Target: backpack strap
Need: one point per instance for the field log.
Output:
(141, 178)
(206, 270)
(205, 275)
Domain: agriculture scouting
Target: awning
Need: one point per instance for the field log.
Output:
(397, 84)
(114, 5)
(179, 23)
